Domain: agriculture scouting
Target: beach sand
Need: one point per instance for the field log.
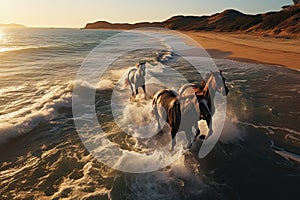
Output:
(250, 48)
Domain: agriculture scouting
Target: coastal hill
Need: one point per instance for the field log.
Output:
(12, 26)
(283, 23)
(122, 26)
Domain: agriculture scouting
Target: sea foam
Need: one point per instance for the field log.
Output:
(43, 108)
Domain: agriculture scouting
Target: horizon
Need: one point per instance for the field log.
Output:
(76, 14)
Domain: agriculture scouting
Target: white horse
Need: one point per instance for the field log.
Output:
(136, 78)
(183, 111)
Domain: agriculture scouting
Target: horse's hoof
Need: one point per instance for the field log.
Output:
(202, 137)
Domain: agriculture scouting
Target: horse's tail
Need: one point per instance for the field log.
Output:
(126, 82)
(154, 108)
(155, 100)
(154, 103)
(155, 112)
(175, 114)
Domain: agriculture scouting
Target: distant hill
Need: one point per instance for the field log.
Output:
(107, 25)
(284, 22)
(12, 25)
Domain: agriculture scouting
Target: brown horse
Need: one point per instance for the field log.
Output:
(177, 111)
(182, 112)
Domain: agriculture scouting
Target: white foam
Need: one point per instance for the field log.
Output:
(231, 133)
(105, 84)
(140, 119)
(288, 155)
(43, 108)
(164, 184)
(167, 55)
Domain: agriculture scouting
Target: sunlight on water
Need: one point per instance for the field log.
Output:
(2, 37)
(3, 50)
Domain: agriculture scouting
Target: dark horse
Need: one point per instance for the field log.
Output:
(206, 97)
(183, 111)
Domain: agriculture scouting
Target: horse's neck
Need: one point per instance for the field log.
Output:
(140, 70)
(209, 91)
(205, 92)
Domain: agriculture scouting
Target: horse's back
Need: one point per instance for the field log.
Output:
(136, 78)
(187, 90)
(166, 99)
(163, 96)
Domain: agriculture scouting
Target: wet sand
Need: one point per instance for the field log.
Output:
(250, 48)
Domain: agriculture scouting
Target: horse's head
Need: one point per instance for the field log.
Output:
(217, 83)
(142, 67)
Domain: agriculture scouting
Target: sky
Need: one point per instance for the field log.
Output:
(76, 13)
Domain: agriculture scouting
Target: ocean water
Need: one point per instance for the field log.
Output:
(42, 155)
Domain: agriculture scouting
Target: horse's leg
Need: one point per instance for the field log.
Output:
(144, 89)
(136, 89)
(155, 112)
(197, 131)
(188, 135)
(173, 133)
(201, 114)
(209, 125)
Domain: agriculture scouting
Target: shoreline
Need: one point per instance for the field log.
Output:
(249, 48)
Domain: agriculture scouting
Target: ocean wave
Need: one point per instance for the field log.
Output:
(105, 84)
(21, 121)
(50, 47)
(20, 48)
(270, 129)
(284, 153)
(165, 55)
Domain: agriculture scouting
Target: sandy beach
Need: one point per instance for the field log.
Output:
(250, 48)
